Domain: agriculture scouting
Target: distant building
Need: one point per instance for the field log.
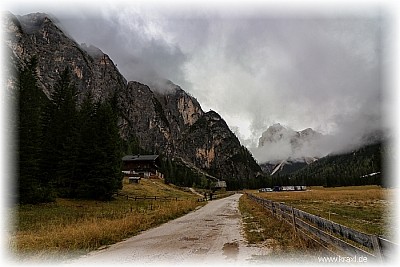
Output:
(133, 179)
(143, 166)
(220, 184)
(290, 188)
(267, 189)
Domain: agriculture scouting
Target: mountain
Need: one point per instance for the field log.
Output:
(167, 121)
(285, 150)
(360, 166)
(281, 149)
(211, 145)
(36, 34)
(280, 134)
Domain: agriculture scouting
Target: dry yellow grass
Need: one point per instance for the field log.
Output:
(266, 230)
(69, 227)
(341, 194)
(364, 208)
(154, 187)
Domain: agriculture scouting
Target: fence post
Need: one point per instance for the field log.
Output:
(377, 247)
(276, 205)
(280, 210)
(293, 220)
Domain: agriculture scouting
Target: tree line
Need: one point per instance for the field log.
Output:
(64, 149)
(74, 150)
(348, 169)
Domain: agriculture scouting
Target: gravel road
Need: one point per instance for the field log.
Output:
(210, 235)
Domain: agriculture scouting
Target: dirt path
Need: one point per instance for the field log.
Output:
(211, 234)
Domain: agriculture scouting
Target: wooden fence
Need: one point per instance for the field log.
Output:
(159, 198)
(336, 238)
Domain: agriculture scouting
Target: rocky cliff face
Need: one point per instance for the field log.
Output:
(181, 109)
(212, 146)
(143, 117)
(37, 35)
(164, 121)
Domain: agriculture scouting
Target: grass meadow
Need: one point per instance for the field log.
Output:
(68, 228)
(369, 209)
(279, 239)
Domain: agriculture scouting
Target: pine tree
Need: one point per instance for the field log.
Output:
(99, 167)
(109, 156)
(32, 186)
(60, 150)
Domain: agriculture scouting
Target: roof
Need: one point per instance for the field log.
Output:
(139, 157)
(220, 184)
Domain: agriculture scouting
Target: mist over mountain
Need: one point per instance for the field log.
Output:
(256, 68)
(158, 118)
(279, 143)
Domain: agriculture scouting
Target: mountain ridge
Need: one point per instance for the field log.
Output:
(162, 122)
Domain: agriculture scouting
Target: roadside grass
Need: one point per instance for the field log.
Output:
(67, 228)
(154, 187)
(278, 237)
(368, 209)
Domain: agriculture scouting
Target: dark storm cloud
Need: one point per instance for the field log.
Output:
(254, 67)
(141, 53)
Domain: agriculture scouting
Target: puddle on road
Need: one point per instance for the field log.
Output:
(231, 250)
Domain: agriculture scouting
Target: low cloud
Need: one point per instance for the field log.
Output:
(134, 41)
(318, 70)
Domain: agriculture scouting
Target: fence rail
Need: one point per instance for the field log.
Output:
(159, 198)
(330, 234)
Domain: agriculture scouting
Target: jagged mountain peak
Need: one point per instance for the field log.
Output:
(274, 134)
(35, 22)
(309, 133)
(280, 143)
(34, 19)
(159, 117)
(37, 35)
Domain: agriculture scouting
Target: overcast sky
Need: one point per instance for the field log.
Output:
(255, 64)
